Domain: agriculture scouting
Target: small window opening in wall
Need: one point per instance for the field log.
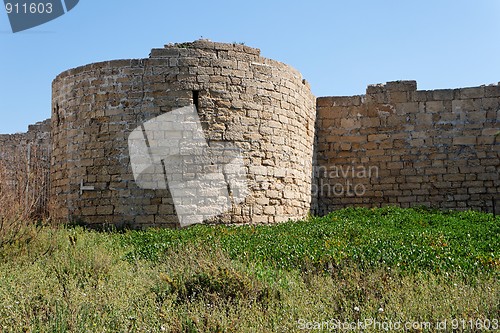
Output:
(56, 112)
(196, 103)
(196, 99)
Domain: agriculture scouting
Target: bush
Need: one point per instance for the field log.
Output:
(24, 181)
(342, 267)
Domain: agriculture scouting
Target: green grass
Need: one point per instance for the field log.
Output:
(408, 265)
(411, 240)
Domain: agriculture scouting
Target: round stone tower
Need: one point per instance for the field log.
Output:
(261, 108)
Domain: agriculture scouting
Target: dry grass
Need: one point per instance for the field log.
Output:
(24, 185)
(81, 283)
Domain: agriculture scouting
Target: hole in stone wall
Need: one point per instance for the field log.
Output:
(56, 112)
(203, 118)
(196, 99)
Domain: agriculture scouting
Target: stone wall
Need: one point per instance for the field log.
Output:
(400, 146)
(393, 146)
(38, 134)
(24, 169)
(261, 106)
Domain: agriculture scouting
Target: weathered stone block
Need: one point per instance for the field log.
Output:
(434, 107)
(443, 94)
(468, 93)
(492, 91)
(465, 140)
(409, 85)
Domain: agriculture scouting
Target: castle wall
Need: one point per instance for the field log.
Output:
(400, 146)
(37, 134)
(262, 106)
(395, 145)
(24, 169)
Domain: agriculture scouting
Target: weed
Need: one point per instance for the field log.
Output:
(341, 267)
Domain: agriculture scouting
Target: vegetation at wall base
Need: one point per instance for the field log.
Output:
(405, 239)
(357, 264)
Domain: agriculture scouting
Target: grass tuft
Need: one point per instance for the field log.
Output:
(389, 264)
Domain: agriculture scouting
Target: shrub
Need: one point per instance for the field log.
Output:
(24, 179)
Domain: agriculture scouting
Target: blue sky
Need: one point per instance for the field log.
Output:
(338, 46)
